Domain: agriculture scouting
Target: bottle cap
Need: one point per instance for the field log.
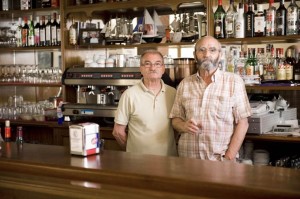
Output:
(7, 123)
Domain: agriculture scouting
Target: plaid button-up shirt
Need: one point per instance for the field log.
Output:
(216, 107)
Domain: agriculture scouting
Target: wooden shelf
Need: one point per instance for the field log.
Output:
(20, 49)
(273, 138)
(30, 84)
(261, 40)
(132, 8)
(144, 45)
(275, 87)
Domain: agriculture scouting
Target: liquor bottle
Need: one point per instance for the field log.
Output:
(251, 63)
(292, 18)
(37, 32)
(46, 3)
(43, 32)
(281, 72)
(25, 4)
(297, 70)
(19, 33)
(219, 21)
(25, 30)
(240, 22)
(290, 61)
(249, 18)
(259, 22)
(7, 133)
(230, 20)
(48, 31)
(54, 26)
(281, 19)
(31, 32)
(72, 34)
(270, 19)
(58, 31)
(5, 5)
(19, 135)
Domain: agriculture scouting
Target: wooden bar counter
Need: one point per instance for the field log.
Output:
(47, 171)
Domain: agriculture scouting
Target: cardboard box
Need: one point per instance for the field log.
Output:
(84, 139)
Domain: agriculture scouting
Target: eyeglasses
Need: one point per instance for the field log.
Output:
(210, 50)
(149, 64)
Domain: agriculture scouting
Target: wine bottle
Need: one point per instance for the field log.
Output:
(292, 18)
(58, 32)
(72, 34)
(43, 32)
(270, 19)
(281, 19)
(19, 33)
(219, 21)
(249, 17)
(290, 61)
(46, 3)
(31, 32)
(25, 30)
(54, 26)
(259, 22)
(37, 32)
(230, 20)
(48, 31)
(240, 22)
(297, 70)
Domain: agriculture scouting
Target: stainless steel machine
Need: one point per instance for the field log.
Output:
(98, 90)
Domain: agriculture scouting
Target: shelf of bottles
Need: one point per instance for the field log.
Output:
(27, 25)
(251, 23)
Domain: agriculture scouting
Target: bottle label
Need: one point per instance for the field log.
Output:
(289, 71)
(7, 133)
(259, 24)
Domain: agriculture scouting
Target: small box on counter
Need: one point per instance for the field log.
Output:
(84, 139)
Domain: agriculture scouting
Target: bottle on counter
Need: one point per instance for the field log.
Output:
(281, 19)
(19, 135)
(7, 133)
(240, 23)
(219, 21)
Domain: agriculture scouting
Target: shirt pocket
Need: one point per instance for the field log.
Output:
(224, 106)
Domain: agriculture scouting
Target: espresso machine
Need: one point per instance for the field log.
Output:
(98, 90)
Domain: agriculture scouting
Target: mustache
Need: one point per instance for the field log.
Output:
(206, 64)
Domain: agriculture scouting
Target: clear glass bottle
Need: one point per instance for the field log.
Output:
(230, 20)
(249, 18)
(240, 22)
(292, 19)
(219, 21)
(281, 72)
(58, 31)
(281, 19)
(270, 19)
(259, 22)
(72, 34)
